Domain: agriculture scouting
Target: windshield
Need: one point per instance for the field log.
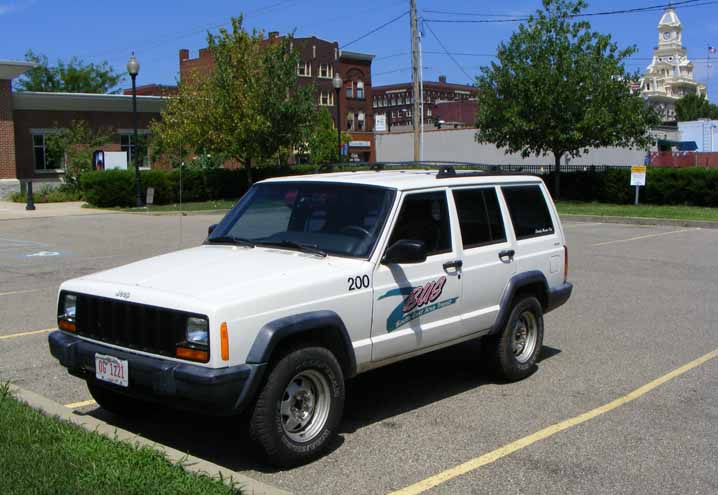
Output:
(342, 219)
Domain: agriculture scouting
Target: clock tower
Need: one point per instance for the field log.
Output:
(669, 77)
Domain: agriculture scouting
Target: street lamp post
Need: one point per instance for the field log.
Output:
(337, 82)
(133, 68)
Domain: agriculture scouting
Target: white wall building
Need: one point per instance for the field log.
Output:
(459, 145)
(703, 132)
(669, 77)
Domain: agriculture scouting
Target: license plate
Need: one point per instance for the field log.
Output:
(112, 370)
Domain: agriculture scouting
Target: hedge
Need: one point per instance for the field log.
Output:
(117, 187)
(664, 186)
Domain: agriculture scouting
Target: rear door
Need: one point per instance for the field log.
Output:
(539, 244)
(416, 305)
(488, 260)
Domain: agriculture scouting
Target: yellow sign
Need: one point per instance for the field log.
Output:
(638, 175)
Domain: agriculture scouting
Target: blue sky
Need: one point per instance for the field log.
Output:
(157, 29)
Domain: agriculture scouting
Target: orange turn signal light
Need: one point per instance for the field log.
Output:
(192, 354)
(68, 326)
(224, 338)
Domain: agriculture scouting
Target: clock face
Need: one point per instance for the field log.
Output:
(666, 36)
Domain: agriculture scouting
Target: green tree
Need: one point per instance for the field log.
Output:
(694, 107)
(557, 87)
(248, 108)
(73, 147)
(75, 76)
(321, 145)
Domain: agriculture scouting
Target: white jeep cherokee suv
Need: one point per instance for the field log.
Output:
(309, 281)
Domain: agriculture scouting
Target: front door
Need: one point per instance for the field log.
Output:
(417, 305)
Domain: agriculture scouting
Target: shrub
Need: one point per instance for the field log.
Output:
(108, 188)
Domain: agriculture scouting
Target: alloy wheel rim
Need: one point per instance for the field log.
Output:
(525, 337)
(304, 406)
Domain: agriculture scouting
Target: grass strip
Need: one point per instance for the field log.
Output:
(43, 455)
(643, 211)
(220, 204)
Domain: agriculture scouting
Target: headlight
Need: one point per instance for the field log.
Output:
(67, 312)
(197, 331)
(69, 306)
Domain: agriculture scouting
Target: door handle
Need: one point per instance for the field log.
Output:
(508, 253)
(453, 264)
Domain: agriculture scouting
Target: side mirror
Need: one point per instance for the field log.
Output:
(211, 228)
(405, 251)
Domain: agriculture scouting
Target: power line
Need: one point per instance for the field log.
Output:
(392, 21)
(448, 53)
(652, 8)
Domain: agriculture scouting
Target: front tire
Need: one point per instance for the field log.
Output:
(513, 352)
(299, 409)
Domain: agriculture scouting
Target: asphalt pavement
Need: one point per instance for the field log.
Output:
(644, 304)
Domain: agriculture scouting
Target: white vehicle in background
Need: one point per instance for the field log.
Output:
(311, 280)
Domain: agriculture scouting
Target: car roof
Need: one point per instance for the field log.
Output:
(409, 179)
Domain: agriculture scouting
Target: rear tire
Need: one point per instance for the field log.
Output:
(513, 352)
(299, 408)
(117, 403)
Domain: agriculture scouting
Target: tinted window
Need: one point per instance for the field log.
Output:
(528, 210)
(424, 217)
(341, 219)
(479, 217)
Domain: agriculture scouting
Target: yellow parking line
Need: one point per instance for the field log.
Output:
(643, 237)
(549, 431)
(77, 405)
(23, 334)
(12, 293)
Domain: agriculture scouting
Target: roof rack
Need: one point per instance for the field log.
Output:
(445, 169)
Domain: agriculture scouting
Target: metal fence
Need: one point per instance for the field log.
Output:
(458, 166)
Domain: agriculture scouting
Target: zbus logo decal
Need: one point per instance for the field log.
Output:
(418, 301)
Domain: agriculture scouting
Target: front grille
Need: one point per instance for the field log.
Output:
(131, 325)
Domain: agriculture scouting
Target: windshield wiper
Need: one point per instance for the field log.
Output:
(305, 248)
(231, 240)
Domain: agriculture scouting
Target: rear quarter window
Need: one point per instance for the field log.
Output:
(528, 210)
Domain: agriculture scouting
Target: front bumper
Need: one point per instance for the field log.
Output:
(558, 295)
(222, 391)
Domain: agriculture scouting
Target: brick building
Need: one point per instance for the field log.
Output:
(454, 114)
(319, 61)
(27, 117)
(396, 100)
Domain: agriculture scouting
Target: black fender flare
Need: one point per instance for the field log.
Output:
(274, 332)
(516, 283)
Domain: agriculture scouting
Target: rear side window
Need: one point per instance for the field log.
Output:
(528, 210)
(424, 217)
(479, 217)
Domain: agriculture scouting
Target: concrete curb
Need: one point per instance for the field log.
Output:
(188, 462)
(705, 224)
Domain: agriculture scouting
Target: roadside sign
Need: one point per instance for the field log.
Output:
(638, 178)
(638, 175)
(150, 195)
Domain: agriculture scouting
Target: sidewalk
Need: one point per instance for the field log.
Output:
(16, 211)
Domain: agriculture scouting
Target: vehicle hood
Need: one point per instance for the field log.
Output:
(213, 273)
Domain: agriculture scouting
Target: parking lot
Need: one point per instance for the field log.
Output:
(644, 304)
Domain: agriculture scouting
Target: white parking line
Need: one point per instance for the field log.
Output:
(647, 236)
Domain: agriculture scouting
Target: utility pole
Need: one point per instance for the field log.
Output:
(415, 80)
(421, 93)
